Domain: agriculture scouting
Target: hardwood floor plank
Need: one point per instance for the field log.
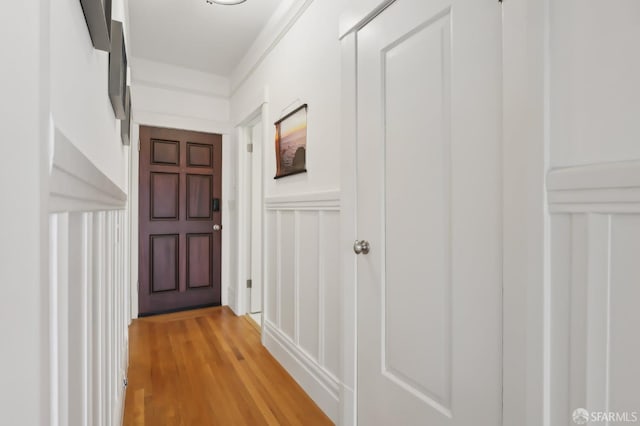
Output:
(208, 367)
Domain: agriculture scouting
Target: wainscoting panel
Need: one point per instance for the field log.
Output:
(308, 330)
(288, 267)
(302, 271)
(89, 301)
(330, 293)
(595, 290)
(271, 257)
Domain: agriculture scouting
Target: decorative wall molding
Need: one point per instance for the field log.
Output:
(89, 316)
(302, 290)
(598, 188)
(323, 388)
(328, 200)
(76, 184)
(593, 304)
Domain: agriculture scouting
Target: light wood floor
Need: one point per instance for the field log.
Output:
(207, 367)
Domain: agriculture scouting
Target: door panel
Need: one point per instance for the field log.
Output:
(429, 202)
(199, 196)
(165, 152)
(199, 155)
(198, 254)
(165, 195)
(417, 217)
(164, 263)
(180, 175)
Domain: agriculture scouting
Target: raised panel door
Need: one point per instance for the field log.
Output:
(429, 203)
(180, 175)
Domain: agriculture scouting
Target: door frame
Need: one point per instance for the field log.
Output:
(245, 215)
(159, 120)
(526, 271)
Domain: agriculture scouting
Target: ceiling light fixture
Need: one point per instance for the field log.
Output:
(226, 2)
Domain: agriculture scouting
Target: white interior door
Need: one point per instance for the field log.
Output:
(255, 263)
(429, 203)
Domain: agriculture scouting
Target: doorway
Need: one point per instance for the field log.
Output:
(180, 188)
(250, 185)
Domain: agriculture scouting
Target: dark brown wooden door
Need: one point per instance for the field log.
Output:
(180, 176)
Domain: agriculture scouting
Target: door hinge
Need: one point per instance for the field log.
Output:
(139, 146)
(249, 284)
(250, 148)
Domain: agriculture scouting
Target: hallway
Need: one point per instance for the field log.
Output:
(459, 246)
(207, 367)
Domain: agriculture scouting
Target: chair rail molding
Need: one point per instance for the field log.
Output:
(598, 188)
(77, 184)
(326, 200)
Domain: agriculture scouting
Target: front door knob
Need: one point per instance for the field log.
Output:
(361, 247)
(217, 227)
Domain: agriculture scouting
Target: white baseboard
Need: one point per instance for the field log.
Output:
(348, 406)
(321, 386)
(124, 375)
(120, 408)
(232, 301)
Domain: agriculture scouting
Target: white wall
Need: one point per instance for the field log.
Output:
(80, 103)
(304, 67)
(593, 98)
(24, 357)
(170, 96)
(88, 260)
(54, 79)
(297, 61)
(570, 90)
(594, 68)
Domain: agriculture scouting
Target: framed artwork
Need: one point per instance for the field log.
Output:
(97, 14)
(118, 71)
(291, 143)
(125, 125)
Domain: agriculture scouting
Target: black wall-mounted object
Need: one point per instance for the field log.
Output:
(215, 205)
(97, 13)
(118, 71)
(125, 125)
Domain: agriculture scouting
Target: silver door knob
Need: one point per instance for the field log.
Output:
(217, 227)
(361, 247)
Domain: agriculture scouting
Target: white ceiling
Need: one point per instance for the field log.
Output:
(194, 34)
